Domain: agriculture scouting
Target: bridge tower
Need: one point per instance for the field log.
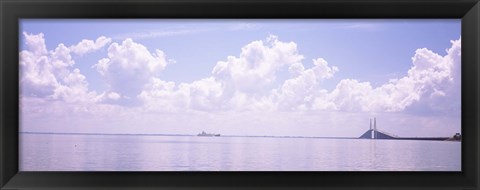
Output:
(372, 133)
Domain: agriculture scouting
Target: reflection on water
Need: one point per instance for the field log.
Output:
(55, 152)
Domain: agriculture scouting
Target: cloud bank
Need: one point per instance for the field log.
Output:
(267, 88)
(245, 82)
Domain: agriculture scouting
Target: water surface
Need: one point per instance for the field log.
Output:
(68, 152)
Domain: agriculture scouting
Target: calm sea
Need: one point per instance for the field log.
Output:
(62, 152)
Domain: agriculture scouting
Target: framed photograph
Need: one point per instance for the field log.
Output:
(239, 95)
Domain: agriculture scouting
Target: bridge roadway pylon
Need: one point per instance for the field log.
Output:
(373, 133)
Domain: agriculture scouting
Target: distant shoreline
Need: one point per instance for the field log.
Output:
(143, 134)
(249, 136)
(114, 134)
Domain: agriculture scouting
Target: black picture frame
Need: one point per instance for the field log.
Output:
(13, 10)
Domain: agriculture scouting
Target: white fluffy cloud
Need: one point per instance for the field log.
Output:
(441, 92)
(300, 92)
(87, 46)
(129, 67)
(37, 77)
(249, 81)
(257, 64)
(268, 88)
(244, 83)
(246, 80)
(35, 43)
(163, 96)
(205, 94)
(238, 83)
(49, 74)
(431, 84)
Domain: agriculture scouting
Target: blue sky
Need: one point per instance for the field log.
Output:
(363, 51)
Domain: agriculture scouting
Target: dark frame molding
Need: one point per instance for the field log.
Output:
(12, 10)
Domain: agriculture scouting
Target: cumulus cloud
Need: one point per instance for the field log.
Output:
(257, 65)
(238, 83)
(350, 95)
(267, 79)
(37, 77)
(129, 67)
(205, 94)
(322, 70)
(431, 84)
(300, 92)
(442, 90)
(87, 46)
(73, 88)
(164, 96)
(248, 81)
(244, 83)
(35, 43)
(49, 74)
